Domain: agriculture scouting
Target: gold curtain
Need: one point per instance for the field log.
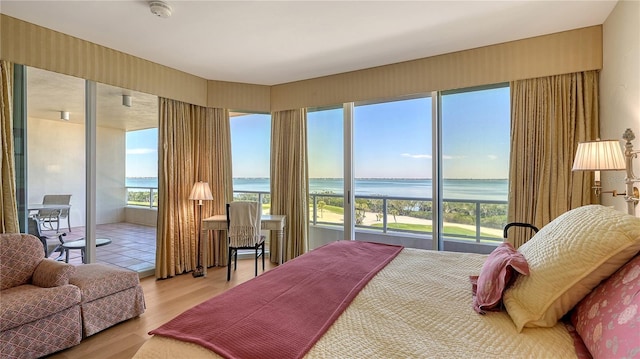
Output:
(549, 116)
(8, 207)
(194, 145)
(290, 180)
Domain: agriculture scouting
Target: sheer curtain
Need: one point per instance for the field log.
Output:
(194, 145)
(549, 116)
(290, 180)
(8, 207)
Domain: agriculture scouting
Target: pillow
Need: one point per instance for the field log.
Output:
(496, 275)
(567, 258)
(608, 319)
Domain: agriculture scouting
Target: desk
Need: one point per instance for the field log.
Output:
(270, 222)
(81, 244)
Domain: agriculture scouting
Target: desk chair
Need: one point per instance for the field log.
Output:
(51, 244)
(518, 224)
(243, 232)
(47, 217)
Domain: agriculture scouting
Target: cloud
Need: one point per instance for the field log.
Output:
(141, 151)
(446, 157)
(419, 156)
(493, 157)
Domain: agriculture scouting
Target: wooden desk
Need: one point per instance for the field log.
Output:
(269, 222)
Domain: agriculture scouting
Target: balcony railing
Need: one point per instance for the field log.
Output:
(464, 219)
(142, 196)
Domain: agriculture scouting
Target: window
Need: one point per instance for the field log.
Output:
(142, 167)
(394, 171)
(392, 165)
(251, 154)
(475, 163)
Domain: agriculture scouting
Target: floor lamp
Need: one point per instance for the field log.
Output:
(200, 192)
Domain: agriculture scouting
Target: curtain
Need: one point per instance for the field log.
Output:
(290, 180)
(549, 116)
(194, 145)
(8, 206)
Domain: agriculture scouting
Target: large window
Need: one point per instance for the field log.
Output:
(251, 154)
(142, 167)
(475, 163)
(418, 174)
(392, 165)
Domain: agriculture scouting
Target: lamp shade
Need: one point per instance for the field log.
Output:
(201, 192)
(599, 156)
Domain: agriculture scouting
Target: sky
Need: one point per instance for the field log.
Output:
(391, 140)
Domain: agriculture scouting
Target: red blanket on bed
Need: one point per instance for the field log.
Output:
(283, 312)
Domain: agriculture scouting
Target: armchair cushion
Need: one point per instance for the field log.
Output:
(27, 303)
(50, 273)
(20, 254)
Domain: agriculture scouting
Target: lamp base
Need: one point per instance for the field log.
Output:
(198, 272)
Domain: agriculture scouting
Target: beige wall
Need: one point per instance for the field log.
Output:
(569, 51)
(56, 165)
(565, 52)
(620, 88)
(32, 45)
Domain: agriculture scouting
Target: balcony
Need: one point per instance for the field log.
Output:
(469, 225)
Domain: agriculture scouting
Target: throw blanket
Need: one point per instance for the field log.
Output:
(244, 224)
(282, 313)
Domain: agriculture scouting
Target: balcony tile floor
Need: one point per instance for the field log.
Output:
(132, 246)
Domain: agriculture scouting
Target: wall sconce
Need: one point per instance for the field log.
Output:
(126, 100)
(632, 195)
(64, 115)
(608, 156)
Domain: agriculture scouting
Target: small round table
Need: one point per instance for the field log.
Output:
(81, 244)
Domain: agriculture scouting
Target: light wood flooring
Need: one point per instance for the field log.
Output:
(165, 299)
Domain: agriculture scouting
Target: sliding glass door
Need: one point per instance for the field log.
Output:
(393, 169)
(475, 167)
(326, 140)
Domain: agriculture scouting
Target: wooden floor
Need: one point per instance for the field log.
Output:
(165, 299)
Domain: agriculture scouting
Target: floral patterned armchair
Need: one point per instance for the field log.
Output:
(39, 309)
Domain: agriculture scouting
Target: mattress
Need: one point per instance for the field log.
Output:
(418, 306)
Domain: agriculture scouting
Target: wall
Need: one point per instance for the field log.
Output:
(32, 45)
(564, 52)
(620, 88)
(56, 165)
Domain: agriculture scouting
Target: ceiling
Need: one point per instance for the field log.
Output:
(274, 42)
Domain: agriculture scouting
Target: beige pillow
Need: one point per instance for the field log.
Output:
(568, 258)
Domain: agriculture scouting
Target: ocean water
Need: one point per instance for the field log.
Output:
(484, 189)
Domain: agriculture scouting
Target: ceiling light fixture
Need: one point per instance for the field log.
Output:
(64, 115)
(126, 100)
(160, 9)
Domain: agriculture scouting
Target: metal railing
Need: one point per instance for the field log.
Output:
(142, 196)
(464, 219)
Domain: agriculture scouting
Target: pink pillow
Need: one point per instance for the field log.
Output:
(608, 318)
(495, 276)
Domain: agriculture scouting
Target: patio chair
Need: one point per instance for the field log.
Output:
(51, 244)
(48, 216)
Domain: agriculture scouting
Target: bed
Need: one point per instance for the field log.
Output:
(418, 303)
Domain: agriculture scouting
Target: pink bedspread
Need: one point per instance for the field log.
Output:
(283, 312)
